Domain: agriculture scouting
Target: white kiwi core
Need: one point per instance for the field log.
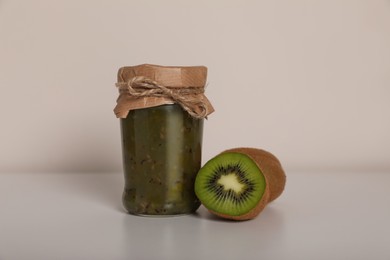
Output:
(231, 182)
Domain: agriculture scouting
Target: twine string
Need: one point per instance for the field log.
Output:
(140, 86)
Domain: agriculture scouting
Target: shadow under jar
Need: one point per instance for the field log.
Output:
(161, 148)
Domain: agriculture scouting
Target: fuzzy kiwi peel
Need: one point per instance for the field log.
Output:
(236, 175)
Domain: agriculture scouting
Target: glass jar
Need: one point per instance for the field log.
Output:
(161, 157)
(161, 148)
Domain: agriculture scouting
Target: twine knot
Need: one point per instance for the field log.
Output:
(140, 86)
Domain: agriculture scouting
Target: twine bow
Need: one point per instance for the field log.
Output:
(140, 86)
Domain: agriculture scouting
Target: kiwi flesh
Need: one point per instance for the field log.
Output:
(238, 183)
(231, 185)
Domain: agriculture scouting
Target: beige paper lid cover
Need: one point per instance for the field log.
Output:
(172, 77)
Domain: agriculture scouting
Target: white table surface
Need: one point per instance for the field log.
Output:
(79, 216)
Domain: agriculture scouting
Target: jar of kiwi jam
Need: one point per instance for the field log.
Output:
(161, 111)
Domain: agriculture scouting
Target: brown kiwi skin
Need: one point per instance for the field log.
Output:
(275, 179)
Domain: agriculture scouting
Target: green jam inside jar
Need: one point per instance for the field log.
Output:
(161, 157)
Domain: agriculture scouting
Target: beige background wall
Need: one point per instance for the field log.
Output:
(307, 80)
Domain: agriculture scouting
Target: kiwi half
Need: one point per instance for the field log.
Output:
(238, 183)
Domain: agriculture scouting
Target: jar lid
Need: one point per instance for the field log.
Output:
(169, 76)
(149, 85)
